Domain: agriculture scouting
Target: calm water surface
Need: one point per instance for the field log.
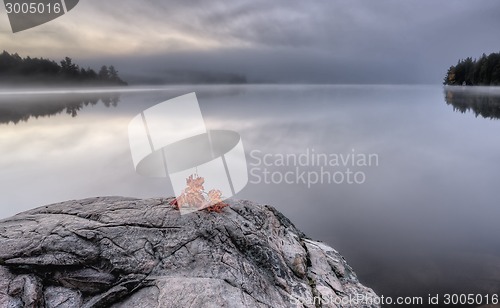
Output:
(424, 220)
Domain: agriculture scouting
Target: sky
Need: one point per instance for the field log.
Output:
(285, 41)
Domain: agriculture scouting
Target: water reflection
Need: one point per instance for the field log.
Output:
(484, 104)
(425, 221)
(20, 108)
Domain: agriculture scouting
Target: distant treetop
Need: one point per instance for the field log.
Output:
(484, 71)
(17, 70)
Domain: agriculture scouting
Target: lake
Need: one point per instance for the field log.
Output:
(421, 217)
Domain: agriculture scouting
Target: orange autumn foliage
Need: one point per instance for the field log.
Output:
(194, 195)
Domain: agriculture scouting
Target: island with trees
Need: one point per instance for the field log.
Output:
(16, 70)
(484, 71)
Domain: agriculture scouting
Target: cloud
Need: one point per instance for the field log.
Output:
(283, 40)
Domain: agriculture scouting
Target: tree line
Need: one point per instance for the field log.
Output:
(484, 71)
(15, 69)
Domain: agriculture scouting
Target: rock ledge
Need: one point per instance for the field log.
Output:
(124, 252)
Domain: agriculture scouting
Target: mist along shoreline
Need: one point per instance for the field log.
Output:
(21, 88)
(35, 89)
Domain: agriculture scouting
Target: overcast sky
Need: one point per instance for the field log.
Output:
(310, 41)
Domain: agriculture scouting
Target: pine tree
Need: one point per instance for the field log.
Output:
(103, 73)
(69, 68)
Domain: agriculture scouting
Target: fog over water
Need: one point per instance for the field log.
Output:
(423, 220)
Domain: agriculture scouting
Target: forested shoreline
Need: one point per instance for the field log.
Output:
(16, 70)
(484, 71)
